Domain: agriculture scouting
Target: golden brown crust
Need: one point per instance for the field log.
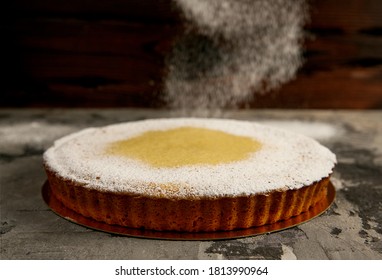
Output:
(198, 215)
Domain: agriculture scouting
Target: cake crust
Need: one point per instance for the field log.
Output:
(188, 215)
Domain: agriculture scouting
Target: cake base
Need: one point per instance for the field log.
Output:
(58, 208)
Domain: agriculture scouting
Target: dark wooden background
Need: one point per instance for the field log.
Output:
(91, 53)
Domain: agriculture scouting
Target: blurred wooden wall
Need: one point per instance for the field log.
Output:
(92, 53)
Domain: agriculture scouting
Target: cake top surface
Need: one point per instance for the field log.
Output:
(190, 158)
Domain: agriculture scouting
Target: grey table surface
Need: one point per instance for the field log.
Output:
(350, 229)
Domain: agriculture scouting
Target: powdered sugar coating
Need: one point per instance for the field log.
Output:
(285, 161)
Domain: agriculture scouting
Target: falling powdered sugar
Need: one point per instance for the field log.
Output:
(232, 49)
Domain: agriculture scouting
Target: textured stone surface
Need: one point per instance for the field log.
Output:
(350, 229)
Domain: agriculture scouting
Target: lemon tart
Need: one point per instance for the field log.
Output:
(188, 174)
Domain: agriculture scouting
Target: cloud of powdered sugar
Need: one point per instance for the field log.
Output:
(232, 50)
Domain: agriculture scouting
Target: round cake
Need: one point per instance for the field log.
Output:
(188, 174)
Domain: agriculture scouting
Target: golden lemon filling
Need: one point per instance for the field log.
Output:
(185, 146)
